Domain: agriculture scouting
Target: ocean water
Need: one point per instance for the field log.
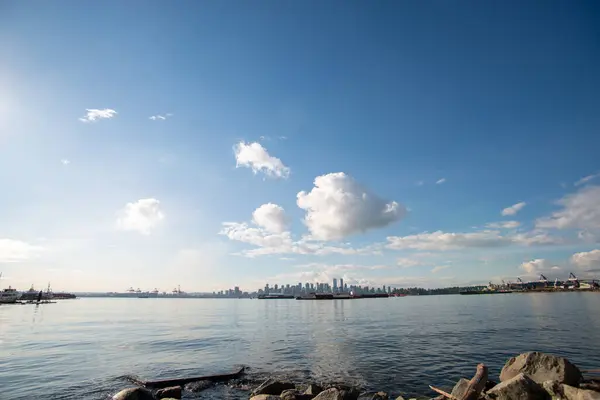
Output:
(82, 349)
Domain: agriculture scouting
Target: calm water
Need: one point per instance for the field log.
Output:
(80, 349)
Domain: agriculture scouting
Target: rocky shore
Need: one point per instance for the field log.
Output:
(528, 376)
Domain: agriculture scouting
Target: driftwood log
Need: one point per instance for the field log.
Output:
(473, 390)
(163, 383)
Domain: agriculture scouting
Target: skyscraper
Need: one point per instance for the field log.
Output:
(341, 284)
(334, 284)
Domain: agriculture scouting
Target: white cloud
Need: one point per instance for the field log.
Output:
(536, 237)
(504, 225)
(94, 114)
(405, 262)
(337, 206)
(515, 208)
(586, 179)
(13, 251)
(160, 117)
(447, 241)
(141, 216)
(440, 181)
(257, 158)
(439, 268)
(589, 259)
(442, 241)
(271, 217)
(536, 267)
(64, 161)
(269, 243)
(580, 210)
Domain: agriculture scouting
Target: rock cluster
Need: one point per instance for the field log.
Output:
(529, 376)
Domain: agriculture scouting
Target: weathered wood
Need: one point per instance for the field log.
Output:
(445, 394)
(163, 383)
(473, 390)
(476, 384)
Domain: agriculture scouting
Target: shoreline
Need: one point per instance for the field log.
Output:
(528, 376)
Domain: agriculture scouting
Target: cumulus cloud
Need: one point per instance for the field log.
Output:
(271, 217)
(160, 117)
(268, 233)
(257, 158)
(440, 181)
(579, 211)
(536, 267)
(14, 251)
(268, 243)
(141, 216)
(515, 208)
(586, 259)
(439, 268)
(504, 225)
(337, 206)
(94, 114)
(586, 179)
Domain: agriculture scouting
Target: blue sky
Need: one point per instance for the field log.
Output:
(297, 141)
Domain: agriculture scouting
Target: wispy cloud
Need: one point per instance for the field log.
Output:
(515, 208)
(420, 183)
(440, 181)
(64, 161)
(586, 179)
(504, 225)
(160, 117)
(439, 268)
(94, 114)
(14, 251)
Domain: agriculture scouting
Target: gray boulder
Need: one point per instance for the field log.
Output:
(380, 396)
(460, 388)
(573, 393)
(293, 394)
(542, 367)
(553, 389)
(173, 392)
(274, 387)
(313, 389)
(198, 386)
(590, 384)
(337, 394)
(136, 393)
(265, 397)
(517, 388)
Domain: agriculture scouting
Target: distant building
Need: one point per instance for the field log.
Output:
(342, 284)
(334, 284)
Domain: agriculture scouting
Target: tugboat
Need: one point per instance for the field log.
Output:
(8, 296)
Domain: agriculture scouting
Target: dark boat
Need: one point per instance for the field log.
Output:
(273, 296)
(371, 295)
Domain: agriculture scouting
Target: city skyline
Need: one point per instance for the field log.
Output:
(399, 144)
